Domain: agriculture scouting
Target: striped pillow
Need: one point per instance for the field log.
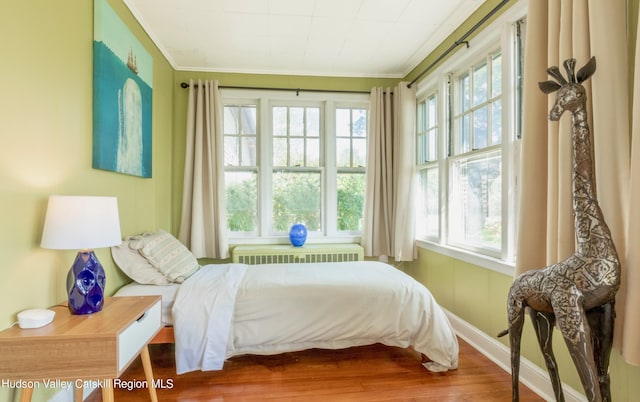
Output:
(168, 255)
(135, 265)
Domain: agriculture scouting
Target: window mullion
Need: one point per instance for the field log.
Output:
(450, 97)
(469, 112)
(444, 152)
(331, 171)
(510, 139)
(304, 137)
(265, 188)
(288, 136)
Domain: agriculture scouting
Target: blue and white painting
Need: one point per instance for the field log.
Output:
(122, 96)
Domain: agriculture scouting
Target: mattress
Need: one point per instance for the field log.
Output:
(167, 294)
(227, 310)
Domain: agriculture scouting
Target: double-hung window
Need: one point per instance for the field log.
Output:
(294, 159)
(241, 166)
(297, 174)
(467, 147)
(475, 164)
(428, 214)
(351, 159)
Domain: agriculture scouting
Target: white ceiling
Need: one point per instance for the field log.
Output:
(353, 38)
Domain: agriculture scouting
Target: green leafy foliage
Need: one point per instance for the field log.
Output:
(296, 198)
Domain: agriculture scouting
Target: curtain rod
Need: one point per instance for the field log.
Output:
(297, 90)
(460, 41)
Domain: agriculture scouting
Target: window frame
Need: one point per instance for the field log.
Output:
(273, 169)
(346, 170)
(427, 163)
(473, 154)
(239, 102)
(264, 101)
(502, 31)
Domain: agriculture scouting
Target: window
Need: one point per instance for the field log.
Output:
(292, 159)
(297, 177)
(351, 159)
(241, 167)
(475, 168)
(427, 161)
(466, 146)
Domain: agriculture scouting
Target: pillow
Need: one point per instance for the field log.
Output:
(167, 255)
(135, 266)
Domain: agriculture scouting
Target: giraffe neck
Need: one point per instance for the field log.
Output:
(589, 221)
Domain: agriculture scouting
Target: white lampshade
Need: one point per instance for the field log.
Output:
(81, 222)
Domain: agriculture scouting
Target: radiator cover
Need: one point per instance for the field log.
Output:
(285, 254)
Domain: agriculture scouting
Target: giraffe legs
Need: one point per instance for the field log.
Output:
(573, 324)
(587, 334)
(516, 322)
(543, 324)
(601, 321)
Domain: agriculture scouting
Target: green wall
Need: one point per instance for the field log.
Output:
(46, 127)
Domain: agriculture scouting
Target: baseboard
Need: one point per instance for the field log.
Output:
(531, 375)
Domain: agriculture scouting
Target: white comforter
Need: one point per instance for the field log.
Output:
(233, 309)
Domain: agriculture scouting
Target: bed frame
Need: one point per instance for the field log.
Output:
(165, 335)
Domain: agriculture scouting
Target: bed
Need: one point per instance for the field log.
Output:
(218, 311)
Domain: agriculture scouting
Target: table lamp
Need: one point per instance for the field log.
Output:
(82, 223)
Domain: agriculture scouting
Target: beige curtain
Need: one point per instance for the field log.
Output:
(559, 30)
(388, 228)
(203, 226)
(631, 327)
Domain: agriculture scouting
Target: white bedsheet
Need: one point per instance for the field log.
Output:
(167, 295)
(289, 307)
(202, 316)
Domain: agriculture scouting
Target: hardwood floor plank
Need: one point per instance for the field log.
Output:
(369, 373)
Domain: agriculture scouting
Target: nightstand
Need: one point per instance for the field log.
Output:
(95, 347)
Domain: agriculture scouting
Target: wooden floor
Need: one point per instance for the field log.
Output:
(369, 373)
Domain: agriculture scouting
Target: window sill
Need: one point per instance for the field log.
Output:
(480, 260)
(234, 241)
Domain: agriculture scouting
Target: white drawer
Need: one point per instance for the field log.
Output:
(138, 334)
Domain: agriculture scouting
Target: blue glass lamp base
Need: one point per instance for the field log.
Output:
(85, 284)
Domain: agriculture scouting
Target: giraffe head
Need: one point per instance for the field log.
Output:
(571, 93)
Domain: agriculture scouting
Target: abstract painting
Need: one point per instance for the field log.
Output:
(122, 96)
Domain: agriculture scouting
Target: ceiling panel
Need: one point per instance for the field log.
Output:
(369, 38)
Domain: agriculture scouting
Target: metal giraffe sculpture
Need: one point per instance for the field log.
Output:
(578, 293)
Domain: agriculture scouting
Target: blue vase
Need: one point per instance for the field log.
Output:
(298, 234)
(85, 284)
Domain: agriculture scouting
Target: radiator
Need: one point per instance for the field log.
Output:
(283, 254)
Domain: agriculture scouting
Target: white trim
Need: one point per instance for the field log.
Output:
(480, 260)
(531, 375)
(236, 241)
